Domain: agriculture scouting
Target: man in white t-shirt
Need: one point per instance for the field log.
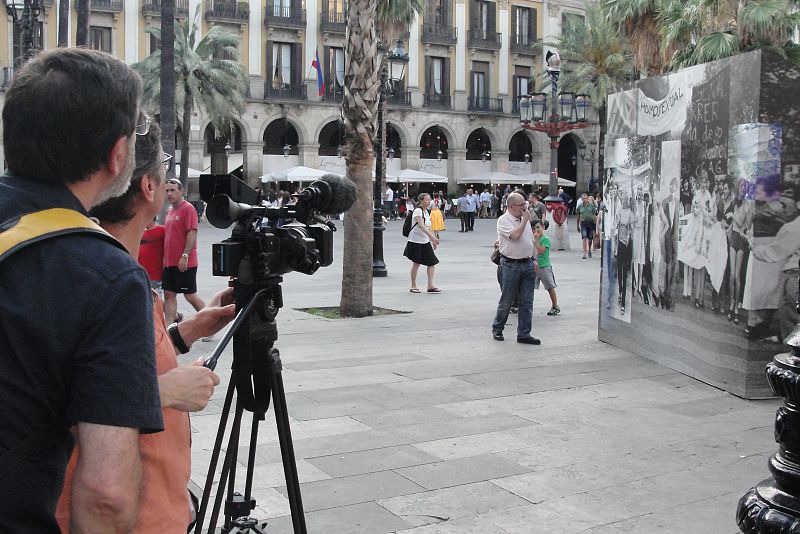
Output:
(515, 240)
(388, 204)
(486, 200)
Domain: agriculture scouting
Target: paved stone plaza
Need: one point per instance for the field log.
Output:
(421, 423)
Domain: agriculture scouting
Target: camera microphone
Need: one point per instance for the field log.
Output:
(330, 195)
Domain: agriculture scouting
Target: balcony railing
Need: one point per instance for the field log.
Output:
(333, 22)
(524, 44)
(399, 99)
(114, 6)
(153, 8)
(435, 34)
(280, 16)
(433, 100)
(285, 92)
(488, 105)
(227, 11)
(333, 94)
(485, 39)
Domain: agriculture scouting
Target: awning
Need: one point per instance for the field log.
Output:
(410, 175)
(295, 174)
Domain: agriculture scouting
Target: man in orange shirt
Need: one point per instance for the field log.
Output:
(164, 503)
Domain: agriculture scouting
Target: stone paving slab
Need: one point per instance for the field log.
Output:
(420, 423)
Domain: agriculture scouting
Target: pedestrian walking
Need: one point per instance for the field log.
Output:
(544, 268)
(587, 215)
(515, 244)
(421, 244)
(437, 219)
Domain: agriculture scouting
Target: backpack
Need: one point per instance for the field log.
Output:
(15, 235)
(409, 223)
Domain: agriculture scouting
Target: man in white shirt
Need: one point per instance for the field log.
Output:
(515, 239)
(388, 204)
(486, 199)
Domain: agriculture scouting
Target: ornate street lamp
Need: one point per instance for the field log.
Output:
(591, 159)
(24, 16)
(568, 113)
(391, 78)
(228, 150)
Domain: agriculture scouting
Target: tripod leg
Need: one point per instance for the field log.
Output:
(227, 465)
(285, 438)
(251, 456)
(212, 467)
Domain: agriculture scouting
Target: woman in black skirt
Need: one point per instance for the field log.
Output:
(421, 242)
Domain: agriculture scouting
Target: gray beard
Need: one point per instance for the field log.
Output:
(121, 183)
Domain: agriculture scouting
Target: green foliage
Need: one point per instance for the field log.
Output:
(596, 60)
(207, 72)
(692, 32)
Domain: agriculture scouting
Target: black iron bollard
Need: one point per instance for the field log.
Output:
(773, 507)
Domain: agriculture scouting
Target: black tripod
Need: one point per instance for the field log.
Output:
(256, 375)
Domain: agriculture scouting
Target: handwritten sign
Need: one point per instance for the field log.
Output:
(706, 136)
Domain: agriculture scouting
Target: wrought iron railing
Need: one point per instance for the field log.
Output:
(438, 34)
(285, 92)
(333, 94)
(333, 22)
(227, 11)
(399, 99)
(153, 7)
(107, 5)
(481, 103)
(485, 39)
(292, 16)
(525, 44)
(434, 100)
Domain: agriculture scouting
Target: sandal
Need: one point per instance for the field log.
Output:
(434, 290)
(414, 290)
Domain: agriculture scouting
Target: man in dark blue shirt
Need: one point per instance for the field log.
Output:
(76, 338)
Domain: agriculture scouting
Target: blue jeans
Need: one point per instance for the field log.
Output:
(516, 279)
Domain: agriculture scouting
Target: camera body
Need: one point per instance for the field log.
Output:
(273, 241)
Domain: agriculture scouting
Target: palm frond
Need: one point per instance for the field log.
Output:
(716, 45)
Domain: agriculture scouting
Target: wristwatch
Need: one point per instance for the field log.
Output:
(184, 255)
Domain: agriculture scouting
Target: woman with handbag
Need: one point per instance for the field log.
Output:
(421, 243)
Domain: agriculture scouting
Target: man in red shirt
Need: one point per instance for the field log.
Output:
(151, 253)
(180, 252)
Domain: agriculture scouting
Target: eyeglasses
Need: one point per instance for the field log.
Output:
(167, 161)
(142, 124)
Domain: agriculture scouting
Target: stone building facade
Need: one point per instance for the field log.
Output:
(455, 114)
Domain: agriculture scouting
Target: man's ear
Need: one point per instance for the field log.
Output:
(147, 187)
(118, 156)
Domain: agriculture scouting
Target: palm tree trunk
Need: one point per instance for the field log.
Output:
(63, 23)
(359, 109)
(186, 125)
(167, 95)
(82, 33)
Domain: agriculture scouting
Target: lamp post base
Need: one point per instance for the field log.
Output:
(378, 265)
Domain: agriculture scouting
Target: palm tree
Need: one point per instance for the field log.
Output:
(167, 81)
(359, 110)
(82, 32)
(63, 23)
(207, 74)
(706, 30)
(599, 63)
(637, 22)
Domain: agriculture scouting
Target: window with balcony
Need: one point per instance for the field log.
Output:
(100, 38)
(520, 85)
(437, 82)
(334, 74)
(482, 32)
(571, 21)
(285, 14)
(283, 71)
(523, 28)
(438, 26)
(18, 48)
(333, 16)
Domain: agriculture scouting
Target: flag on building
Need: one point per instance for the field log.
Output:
(320, 81)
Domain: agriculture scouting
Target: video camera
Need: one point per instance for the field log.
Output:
(294, 237)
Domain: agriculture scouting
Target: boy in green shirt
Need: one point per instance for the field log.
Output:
(544, 272)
